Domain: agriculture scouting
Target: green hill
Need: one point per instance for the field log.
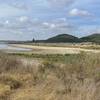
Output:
(63, 38)
(66, 38)
(91, 38)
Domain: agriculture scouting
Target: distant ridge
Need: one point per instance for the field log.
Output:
(66, 38)
(91, 38)
(62, 38)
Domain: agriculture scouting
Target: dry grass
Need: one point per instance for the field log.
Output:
(70, 77)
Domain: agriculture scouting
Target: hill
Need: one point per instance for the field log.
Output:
(63, 38)
(91, 38)
(66, 38)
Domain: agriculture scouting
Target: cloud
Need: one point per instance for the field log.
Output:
(23, 19)
(16, 3)
(19, 5)
(49, 25)
(60, 3)
(10, 11)
(45, 23)
(6, 22)
(78, 12)
(25, 25)
(59, 23)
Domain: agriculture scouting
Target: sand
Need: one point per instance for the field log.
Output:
(54, 50)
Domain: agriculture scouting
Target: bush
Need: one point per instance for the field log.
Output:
(12, 82)
(9, 63)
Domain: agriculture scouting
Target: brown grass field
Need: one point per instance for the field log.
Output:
(50, 76)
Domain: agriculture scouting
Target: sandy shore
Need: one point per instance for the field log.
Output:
(54, 50)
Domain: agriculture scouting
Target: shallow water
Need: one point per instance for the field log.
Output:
(3, 46)
(8, 47)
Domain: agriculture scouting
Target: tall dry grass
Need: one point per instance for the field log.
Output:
(64, 77)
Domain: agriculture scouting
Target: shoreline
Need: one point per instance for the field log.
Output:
(50, 49)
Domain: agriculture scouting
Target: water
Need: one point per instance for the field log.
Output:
(8, 47)
(3, 46)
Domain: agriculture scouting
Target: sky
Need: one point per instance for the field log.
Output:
(41, 19)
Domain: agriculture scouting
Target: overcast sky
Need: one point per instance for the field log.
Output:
(41, 19)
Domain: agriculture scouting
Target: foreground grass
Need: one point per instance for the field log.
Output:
(57, 77)
(48, 57)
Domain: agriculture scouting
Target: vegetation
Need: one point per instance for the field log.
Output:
(54, 77)
(33, 40)
(63, 38)
(49, 57)
(66, 38)
(92, 38)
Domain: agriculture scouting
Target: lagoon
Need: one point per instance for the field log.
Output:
(4, 46)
